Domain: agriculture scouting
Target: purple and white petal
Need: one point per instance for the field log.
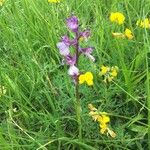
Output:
(70, 60)
(90, 57)
(73, 71)
(63, 48)
(72, 23)
(87, 50)
(85, 34)
(65, 39)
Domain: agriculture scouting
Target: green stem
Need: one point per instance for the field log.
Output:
(148, 97)
(147, 57)
(78, 111)
(78, 106)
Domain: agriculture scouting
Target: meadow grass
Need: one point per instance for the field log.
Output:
(37, 111)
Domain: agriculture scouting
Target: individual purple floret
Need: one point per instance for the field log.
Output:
(67, 41)
(73, 71)
(63, 48)
(85, 34)
(71, 60)
(72, 23)
(92, 58)
(87, 52)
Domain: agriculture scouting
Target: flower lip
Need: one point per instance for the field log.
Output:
(63, 48)
(85, 34)
(72, 23)
(65, 39)
(87, 50)
(92, 58)
(71, 60)
(73, 71)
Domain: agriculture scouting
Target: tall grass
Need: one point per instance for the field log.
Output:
(37, 110)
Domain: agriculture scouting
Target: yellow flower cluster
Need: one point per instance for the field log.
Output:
(103, 119)
(143, 23)
(2, 2)
(53, 1)
(120, 18)
(127, 34)
(2, 90)
(87, 77)
(109, 73)
(117, 17)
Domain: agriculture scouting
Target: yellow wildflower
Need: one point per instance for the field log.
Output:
(118, 35)
(146, 23)
(103, 128)
(81, 78)
(89, 82)
(138, 23)
(53, 1)
(103, 119)
(109, 79)
(93, 112)
(143, 23)
(81, 39)
(87, 77)
(109, 73)
(104, 70)
(2, 2)
(2, 90)
(128, 34)
(111, 133)
(114, 71)
(91, 107)
(117, 17)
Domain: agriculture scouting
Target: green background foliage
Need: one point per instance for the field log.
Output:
(42, 93)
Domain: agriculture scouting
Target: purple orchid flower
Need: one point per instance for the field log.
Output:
(72, 23)
(73, 71)
(71, 60)
(67, 41)
(92, 58)
(85, 34)
(87, 52)
(63, 48)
